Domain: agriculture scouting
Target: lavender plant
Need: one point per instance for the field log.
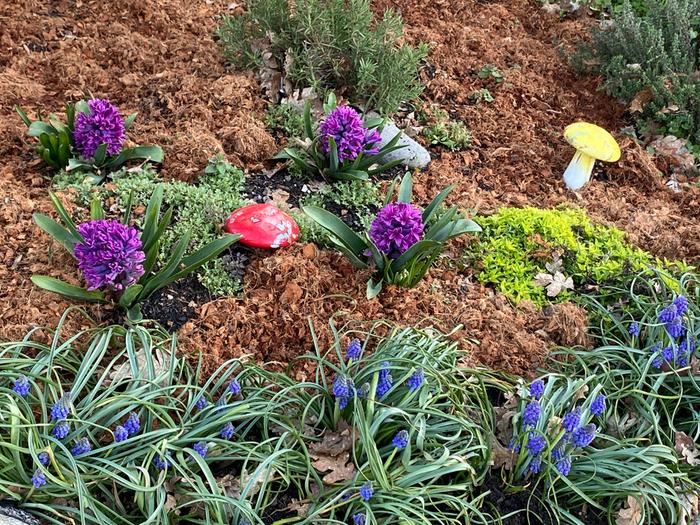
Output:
(403, 241)
(343, 146)
(117, 261)
(92, 139)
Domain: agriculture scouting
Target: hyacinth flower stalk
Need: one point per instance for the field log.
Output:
(343, 146)
(403, 240)
(92, 139)
(118, 262)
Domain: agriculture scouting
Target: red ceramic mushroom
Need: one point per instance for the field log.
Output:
(262, 226)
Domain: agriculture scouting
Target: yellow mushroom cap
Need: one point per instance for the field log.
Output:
(593, 141)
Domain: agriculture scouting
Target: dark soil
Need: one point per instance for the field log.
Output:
(280, 507)
(177, 303)
(349, 216)
(263, 187)
(517, 508)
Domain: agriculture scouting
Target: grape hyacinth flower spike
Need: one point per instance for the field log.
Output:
(132, 424)
(366, 491)
(400, 440)
(537, 389)
(21, 386)
(416, 380)
(354, 350)
(61, 409)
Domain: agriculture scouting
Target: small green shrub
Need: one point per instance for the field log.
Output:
(481, 95)
(285, 119)
(491, 72)
(329, 44)
(453, 135)
(654, 53)
(200, 209)
(516, 244)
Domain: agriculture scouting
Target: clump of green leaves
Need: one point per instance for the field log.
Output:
(491, 72)
(329, 44)
(285, 119)
(518, 244)
(199, 208)
(480, 95)
(451, 134)
(652, 56)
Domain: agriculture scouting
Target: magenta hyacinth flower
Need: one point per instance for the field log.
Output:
(351, 137)
(101, 125)
(396, 228)
(110, 255)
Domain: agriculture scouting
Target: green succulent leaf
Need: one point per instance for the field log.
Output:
(67, 290)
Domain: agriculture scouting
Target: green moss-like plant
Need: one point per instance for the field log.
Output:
(517, 243)
(199, 208)
(452, 134)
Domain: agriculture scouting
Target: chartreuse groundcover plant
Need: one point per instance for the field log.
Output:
(118, 262)
(92, 139)
(403, 241)
(343, 146)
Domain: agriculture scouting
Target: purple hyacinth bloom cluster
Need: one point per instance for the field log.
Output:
(162, 462)
(61, 409)
(21, 386)
(634, 330)
(38, 479)
(400, 440)
(132, 424)
(61, 430)
(227, 431)
(82, 446)
(344, 125)
(397, 227)
(201, 448)
(598, 405)
(367, 491)
(531, 414)
(416, 380)
(359, 518)
(537, 389)
(385, 381)
(110, 254)
(120, 434)
(672, 316)
(234, 387)
(354, 350)
(102, 124)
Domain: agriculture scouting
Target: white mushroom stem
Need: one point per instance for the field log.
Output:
(579, 170)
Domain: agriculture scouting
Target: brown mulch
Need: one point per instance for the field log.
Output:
(158, 57)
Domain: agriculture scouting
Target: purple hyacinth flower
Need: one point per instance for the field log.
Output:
(531, 414)
(668, 314)
(102, 124)
(21, 386)
(571, 420)
(162, 462)
(366, 491)
(675, 328)
(564, 466)
(341, 387)
(38, 479)
(43, 458)
(345, 126)
(132, 424)
(535, 444)
(416, 380)
(584, 436)
(234, 387)
(201, 448)
(535, 465)
(354, 350)
(400, 440)
(598, 405)
(120, 434)
(227, 431)
(384, 382)
(359, 518)
(82, 446)
(110, 254)
(61, 430)
(634, 329)
(681, 304)
(61, 409)
(201, 402)
(397, 227)
(537, 388)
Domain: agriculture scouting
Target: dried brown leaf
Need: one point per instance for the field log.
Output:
(686, 449)
(630, 513)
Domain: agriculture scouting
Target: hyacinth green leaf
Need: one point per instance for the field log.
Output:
(350, 175)
(161, 278)
(373, 123)
(70, 116)
(390, 192)
(377, 256)
(385, 167)
(354, 258)
(151, 257)
(57, 124)
(46, 142)
(149, 152)
(96, 210)
(27, 121)
(289, 153)
(100, 154)
(417, 250)
(373, 288)
(134, 313)
(162, 225)
(308, 127)
(128, 207)
(67, 290)
(405, 193)
(444, 219)
(333, 152)
(205, 254)
(64, 150)
(130, 295)
(56, 231)
(392, 144)
(129, 121)
(337, 227)
(38, 128)
(76, 164)
(81, 107)
(150, 221)
(433, 206)
(331, 103)
(65, 216)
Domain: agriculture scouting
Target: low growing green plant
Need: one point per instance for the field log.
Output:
(286, 119)
(453, 135)
(343, 146)
(91, 139)
(328, 44)
(402, 242)
(121, 260)
(490, 71)
(518, 244)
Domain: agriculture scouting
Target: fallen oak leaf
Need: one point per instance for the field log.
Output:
(686, 449)
(631, 514)
(340, 467)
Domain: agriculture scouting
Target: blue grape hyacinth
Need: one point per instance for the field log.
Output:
(201, 448)
(571, 420)
(61, 430)
(234, 387)
(634, 330)
(132, 424)
(201, 402)
(359, 518)
(385, 381)
(564, 465)
(416, 380)
(82, 446)
(531, 414)
(598, 405)
(537, 388)
(61, 408)
(584, 436)
(38, 479)
(227, 431)
(44, 458)
(400, 440)
(120, 434)
(21, 386)
(366, 491)
(354, 350)
(162, 462)
(535, 444)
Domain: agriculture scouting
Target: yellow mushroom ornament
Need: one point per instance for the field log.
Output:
(592, 143)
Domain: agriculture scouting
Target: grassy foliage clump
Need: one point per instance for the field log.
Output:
(199, 208)
(518, 243)
(329, 44)
(451, 134)
(285, 119)
(653, 55)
